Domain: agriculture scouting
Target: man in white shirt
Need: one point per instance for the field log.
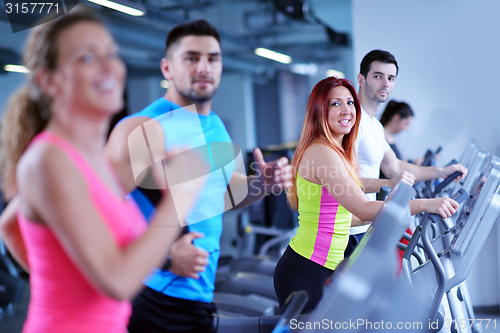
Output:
(376, 79)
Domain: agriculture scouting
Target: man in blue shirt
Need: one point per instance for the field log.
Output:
(178, 297)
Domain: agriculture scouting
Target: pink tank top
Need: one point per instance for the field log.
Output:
(62, 299)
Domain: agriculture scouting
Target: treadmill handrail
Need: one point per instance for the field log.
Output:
(439, 187)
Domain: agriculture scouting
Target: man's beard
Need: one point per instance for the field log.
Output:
(196, 97)
(375, 97)
(382, 99)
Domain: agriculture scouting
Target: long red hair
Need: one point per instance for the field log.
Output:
(317, 130)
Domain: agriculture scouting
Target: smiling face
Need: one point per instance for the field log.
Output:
(89, 74)
(341, 112)
(193, 68)
(379, 81)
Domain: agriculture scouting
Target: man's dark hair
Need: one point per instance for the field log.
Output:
(376, 55)
(191, 28)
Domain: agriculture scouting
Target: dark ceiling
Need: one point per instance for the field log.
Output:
(294, 27)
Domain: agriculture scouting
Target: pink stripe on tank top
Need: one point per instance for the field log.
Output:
(326, 227)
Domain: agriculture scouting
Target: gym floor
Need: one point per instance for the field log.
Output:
(12, 321)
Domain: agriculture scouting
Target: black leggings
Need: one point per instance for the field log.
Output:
(294, 272)
(353, 243)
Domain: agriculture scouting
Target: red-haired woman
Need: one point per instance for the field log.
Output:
(327, 190)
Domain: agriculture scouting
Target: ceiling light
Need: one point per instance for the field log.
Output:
(127, 7)
(164, 84)
(337, 74)
(305, 69)
(16, 69)
(279, 57)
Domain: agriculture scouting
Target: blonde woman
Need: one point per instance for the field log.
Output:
(88, 247)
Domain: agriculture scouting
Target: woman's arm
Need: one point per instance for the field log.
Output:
(117, 150)
(11, 235)
(356, 222)
(57, 195)
(445, 207)
(329, 170)
(187, 259)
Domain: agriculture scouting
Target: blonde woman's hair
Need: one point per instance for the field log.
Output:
(28, 109)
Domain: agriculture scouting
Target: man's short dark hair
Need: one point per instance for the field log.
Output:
(376, 55)
(191, 28)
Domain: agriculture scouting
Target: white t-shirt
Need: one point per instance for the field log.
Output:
(371, 147)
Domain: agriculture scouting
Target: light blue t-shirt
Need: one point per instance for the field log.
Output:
(209, 134)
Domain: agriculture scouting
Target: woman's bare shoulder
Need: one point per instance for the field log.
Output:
(320, 152)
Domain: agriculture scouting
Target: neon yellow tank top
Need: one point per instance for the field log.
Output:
(324, 225)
